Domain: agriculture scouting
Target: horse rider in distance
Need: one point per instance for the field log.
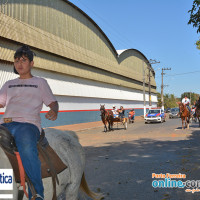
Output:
(186, 101)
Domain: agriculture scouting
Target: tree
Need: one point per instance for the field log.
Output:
(159, 104)
(170, 101)
(195, 18)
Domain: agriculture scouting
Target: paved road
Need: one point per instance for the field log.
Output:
(120, 163)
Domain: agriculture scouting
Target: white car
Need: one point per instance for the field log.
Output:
(155, 115)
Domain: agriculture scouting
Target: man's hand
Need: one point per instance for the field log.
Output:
(53, 113)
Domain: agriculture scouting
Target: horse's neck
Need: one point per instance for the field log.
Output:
(185, 111)
(104, 113)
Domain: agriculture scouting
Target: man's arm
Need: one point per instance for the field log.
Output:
(53, 112)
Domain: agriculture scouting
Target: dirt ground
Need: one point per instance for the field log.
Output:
(120, 163)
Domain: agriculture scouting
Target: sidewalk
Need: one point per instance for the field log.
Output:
(85, 126)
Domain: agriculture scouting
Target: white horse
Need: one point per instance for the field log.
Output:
(68, 148)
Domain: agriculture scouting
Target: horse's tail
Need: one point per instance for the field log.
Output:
(85, 188)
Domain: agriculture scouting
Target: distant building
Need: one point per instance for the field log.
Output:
(76, 58)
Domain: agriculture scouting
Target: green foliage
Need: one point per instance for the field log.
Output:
(198, 44)
(195, 18)
(170, 101)
(195, 15)
(159, 104)
(191, 95)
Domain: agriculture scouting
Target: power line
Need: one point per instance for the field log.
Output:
(183, 73)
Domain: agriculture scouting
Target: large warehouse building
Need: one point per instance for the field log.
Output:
(77, 59)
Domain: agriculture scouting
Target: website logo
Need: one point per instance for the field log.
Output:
(6, 179)
(172, 181)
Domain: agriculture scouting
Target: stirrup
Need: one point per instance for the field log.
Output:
(36, 196)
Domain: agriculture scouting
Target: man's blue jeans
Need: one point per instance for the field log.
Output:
(189, 108)
(26, 136)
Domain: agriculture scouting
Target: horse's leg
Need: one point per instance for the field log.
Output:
(111, 124)
(105, 127)
(109, 128)
(182, 123)
(185, 122)
(199, 121)
(189, 122)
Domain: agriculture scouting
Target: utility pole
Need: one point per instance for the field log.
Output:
(150, 63)
(144, 90)
(162, 86)
(144, 70)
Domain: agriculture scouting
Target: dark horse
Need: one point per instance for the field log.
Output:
(197, 111)
(185, 115)
(106, 117)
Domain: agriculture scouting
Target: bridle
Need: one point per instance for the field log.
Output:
(103, 111)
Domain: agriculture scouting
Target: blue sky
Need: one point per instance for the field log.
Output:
(159, 30)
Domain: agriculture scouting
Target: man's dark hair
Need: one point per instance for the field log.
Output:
(24, 51)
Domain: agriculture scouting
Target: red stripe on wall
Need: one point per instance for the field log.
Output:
(72, 110)
(1, 113)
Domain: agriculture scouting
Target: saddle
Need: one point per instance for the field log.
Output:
(51, 164)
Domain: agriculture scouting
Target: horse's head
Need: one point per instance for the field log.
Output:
(102, 108)
(181, 107)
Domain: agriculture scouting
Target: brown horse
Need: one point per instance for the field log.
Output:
(197, 111)
(106, 117)
(185, 115)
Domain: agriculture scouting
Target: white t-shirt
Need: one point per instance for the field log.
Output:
(185, 101)
(24, 98)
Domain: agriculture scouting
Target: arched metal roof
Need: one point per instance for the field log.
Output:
(91, 20)
(120, 52)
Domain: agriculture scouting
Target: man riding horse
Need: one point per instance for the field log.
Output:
(186, 101)
(23, 98)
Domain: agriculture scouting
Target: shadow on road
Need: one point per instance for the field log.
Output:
(123, 171)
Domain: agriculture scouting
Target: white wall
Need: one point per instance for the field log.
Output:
(75, 93)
